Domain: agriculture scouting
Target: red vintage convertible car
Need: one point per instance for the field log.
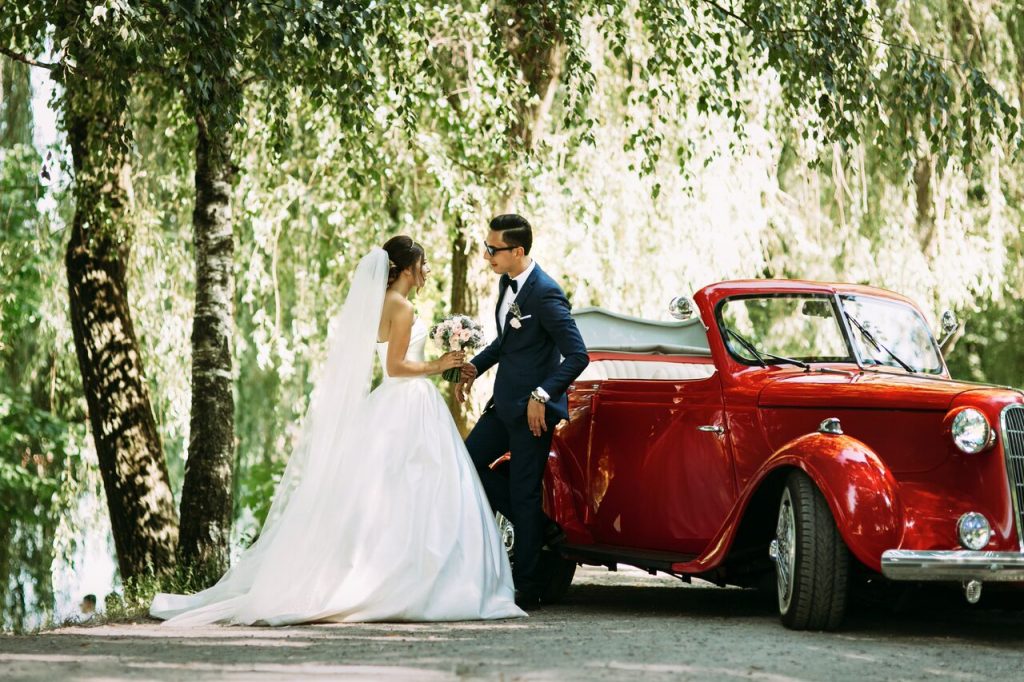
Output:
(806, 429)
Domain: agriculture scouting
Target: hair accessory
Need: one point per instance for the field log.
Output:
(391, 264)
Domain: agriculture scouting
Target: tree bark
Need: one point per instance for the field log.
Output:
(463, 302)
(15, 109)
(923, 172)
(206, 498)
(124, 430)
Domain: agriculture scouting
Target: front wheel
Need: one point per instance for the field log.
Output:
(812, 563)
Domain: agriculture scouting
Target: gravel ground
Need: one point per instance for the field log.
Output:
(614, 626)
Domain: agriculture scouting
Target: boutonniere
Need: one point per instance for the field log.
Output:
(517, 316)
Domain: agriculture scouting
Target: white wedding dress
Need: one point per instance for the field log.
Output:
(381, 517)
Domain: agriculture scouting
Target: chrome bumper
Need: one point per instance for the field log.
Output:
(954, 565)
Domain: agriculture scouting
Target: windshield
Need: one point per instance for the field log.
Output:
(800, 327)
(891, 334)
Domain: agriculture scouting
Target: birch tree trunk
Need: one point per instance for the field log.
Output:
(206, 498)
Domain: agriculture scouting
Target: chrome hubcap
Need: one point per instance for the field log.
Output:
(507, 533)
(783, 550)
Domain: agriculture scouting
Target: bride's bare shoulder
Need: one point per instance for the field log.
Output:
(397, 313)
(397, 309)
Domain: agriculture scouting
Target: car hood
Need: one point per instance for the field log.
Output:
(863, 390)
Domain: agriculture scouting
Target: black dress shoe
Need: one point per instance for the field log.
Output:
(553, 534)
(527, 600)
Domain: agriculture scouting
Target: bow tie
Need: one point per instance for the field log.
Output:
(507, 281)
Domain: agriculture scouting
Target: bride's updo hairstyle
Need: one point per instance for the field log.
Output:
(403, 253)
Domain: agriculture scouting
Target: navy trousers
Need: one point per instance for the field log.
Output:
(518, 495)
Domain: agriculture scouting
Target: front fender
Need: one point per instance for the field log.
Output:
(859, 489)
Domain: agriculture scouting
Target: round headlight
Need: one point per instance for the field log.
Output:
(973, 530)
(971, 431)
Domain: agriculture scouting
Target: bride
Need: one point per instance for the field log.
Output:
(380, 515)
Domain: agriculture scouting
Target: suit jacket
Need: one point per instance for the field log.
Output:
(547, 350)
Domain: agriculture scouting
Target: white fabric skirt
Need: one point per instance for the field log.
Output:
(396, 528)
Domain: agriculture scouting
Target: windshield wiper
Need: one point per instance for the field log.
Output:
(761, 355)
(746, 344)
(876, 343)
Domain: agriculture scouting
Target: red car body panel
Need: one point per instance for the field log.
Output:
(631, 471)
(625, 506)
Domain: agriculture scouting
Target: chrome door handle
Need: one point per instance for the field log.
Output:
(710, 428)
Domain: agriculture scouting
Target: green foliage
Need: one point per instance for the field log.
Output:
(41, 418)
(30, 439)
(990, 347)
(15, 121)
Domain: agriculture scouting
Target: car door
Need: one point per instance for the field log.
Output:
(659, 472)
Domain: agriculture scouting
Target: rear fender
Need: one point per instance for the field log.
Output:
(558, 498)
(560, 501)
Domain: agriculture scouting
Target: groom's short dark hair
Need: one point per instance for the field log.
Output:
(515, 230)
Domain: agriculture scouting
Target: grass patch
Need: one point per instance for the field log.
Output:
(129, 607)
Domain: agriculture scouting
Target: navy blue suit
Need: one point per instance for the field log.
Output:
(546, 350)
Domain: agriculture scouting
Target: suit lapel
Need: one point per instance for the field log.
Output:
(500, 324)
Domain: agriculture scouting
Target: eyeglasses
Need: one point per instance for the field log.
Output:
(491, 250)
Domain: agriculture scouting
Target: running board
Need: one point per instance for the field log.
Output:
(604, 555)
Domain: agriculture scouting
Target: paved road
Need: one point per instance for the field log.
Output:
(615, 626)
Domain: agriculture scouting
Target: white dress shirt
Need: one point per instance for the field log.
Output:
(510, 296)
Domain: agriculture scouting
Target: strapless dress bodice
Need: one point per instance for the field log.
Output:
(416, 352)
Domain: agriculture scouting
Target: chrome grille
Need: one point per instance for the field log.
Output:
(1013, 444)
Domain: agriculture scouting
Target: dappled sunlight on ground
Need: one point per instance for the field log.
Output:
(128, 669)
(613, 626)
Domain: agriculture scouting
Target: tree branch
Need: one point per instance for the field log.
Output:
(249, 79)
(465, 166)
(27, 60)
(792, 31)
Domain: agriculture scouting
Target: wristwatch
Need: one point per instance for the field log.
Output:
(539, 396)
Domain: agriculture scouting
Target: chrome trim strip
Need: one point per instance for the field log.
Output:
(1011, 477)
(953, 565)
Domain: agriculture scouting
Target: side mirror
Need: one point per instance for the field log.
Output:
(817, 308)
(950, 325)
(681, 308)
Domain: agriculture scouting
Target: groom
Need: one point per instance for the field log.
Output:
(539, 352)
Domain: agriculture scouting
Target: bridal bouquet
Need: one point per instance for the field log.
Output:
(456, 332)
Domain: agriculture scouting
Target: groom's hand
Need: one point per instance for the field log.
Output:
(462, 390)
(535, 418)
(469, 372)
